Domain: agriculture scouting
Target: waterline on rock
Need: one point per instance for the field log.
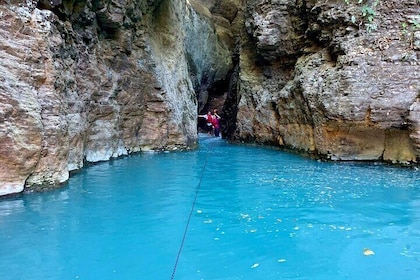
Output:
(259, 214)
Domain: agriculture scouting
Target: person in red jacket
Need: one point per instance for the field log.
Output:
(209, 122)
(216, 123)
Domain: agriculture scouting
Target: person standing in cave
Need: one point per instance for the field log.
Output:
(209, 122)
(216, 123)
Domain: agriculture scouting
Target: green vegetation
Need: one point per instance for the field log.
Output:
(414, 23)
(408, 29)
(368, 12)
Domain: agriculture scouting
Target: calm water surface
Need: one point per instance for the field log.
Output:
(259, 214)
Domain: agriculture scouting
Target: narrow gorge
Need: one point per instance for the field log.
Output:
(84, 81)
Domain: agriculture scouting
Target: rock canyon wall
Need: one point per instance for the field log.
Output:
(340, 79)
(86, 81)
(90, 80)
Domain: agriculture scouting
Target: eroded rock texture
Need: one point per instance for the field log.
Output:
(89, 80)
(92, 80)
(316, 77)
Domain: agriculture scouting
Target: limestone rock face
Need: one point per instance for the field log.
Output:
(277, 28)
(318, 76)
(87, 81)
(33, 129)
(203, 58)
(414, 120)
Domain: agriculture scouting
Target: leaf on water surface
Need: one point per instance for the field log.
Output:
(368, 252)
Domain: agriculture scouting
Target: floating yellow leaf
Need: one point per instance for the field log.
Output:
(368, 252)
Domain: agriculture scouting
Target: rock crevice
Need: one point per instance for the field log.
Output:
(86, 81)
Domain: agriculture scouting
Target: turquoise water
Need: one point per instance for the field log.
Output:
(259, 214)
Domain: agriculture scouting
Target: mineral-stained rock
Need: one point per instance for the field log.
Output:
(319, 77)
(32, 127)
(93, 80)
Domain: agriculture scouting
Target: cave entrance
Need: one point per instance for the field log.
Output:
(223, 96)
(210, 98)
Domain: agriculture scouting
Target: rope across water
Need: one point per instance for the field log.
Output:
(189, 218)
